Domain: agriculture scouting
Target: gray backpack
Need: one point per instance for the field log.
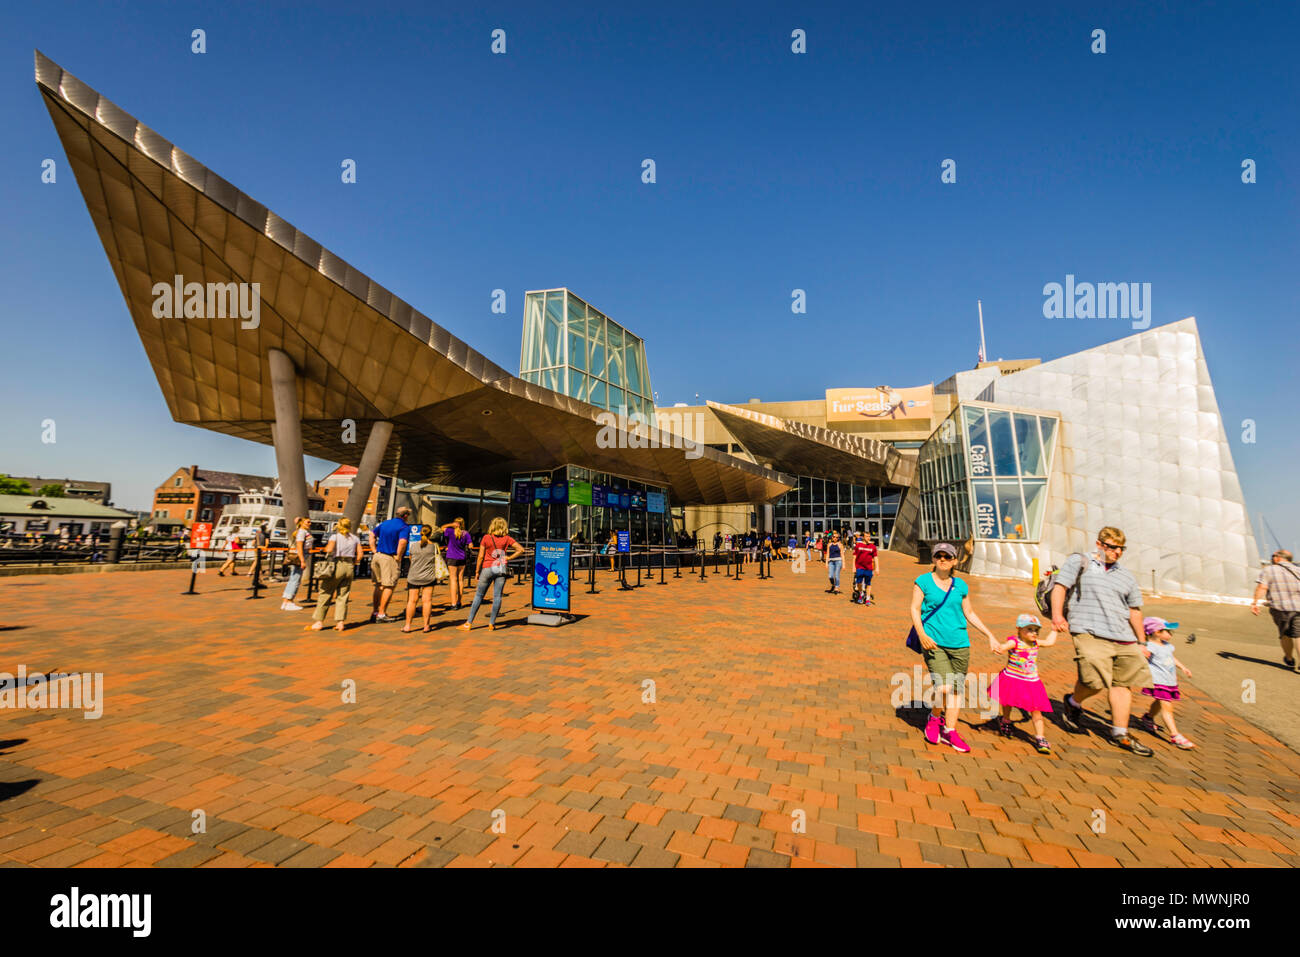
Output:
(1043, 593)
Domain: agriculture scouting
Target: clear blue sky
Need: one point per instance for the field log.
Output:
(775, 171)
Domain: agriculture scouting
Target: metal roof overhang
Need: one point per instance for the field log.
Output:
(361, 353)
(804, 449)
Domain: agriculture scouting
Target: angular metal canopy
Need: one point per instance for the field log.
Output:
(810, 450)
(360, 352)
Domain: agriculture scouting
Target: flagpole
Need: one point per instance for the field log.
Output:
(980, 305)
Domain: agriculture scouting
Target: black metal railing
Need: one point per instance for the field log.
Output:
(17, 550)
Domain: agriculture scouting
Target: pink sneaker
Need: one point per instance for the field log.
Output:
(932, 729)
(1182, 742)
(954, 739)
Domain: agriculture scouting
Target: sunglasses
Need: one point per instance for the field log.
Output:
(1113, 548)
(944, 558)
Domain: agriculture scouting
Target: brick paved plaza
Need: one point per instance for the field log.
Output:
(772, 698)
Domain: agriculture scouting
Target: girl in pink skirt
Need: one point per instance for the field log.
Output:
(1018, 684)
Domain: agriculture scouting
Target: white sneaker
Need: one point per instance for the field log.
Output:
(290, 606)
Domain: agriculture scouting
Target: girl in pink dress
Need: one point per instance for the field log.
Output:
(1018, 684)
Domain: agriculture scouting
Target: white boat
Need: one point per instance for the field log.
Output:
(255, 508)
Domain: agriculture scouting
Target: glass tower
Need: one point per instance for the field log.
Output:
(571, 348)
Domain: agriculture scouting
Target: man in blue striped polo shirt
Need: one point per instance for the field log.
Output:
(1109, 639)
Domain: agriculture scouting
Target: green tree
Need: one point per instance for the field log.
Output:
(50, 491)
(10, 486)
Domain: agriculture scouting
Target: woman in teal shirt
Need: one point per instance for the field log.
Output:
(940, 620)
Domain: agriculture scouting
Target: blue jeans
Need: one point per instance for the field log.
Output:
(833, 568)
(497, 579)
(295, 579)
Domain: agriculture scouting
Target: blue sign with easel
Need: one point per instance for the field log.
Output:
(552, 575)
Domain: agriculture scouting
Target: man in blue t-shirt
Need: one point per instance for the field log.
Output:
(389, 540)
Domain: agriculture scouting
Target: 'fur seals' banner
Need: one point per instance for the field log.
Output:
(855, 405)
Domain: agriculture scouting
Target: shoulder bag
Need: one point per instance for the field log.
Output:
(913, 639)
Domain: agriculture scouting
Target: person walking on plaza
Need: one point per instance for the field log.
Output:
(458, 543)
(865, 560)
(1164, 679)
(337, 567)
(1279, 585)
(421, 576)
(834, 561)
(232, 556)
(1105, 621)
(1018, 684)
(941, 609)
(389, 541)
(295, 558)
(496, 550)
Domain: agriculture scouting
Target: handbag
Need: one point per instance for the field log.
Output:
(440, 572)
(331, 565)
(913, 639)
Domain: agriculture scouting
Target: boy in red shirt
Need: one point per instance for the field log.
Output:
(864, 565)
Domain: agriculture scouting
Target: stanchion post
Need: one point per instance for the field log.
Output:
(310, 572)
(194, 574)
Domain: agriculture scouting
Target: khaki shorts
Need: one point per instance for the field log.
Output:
(385, 570)
(948, 666)
(1103, 663)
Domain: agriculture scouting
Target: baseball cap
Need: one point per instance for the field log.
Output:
(1028, 621)
(945, 548)
(1152, 625)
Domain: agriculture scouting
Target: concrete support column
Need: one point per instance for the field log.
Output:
(367, 472)
(287, 435)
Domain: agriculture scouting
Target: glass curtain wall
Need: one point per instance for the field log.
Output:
(572, 348)
(823, 505)
(945, 491)
(983, 474)
(583, 506)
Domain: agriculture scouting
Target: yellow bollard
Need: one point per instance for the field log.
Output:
(1035, 572)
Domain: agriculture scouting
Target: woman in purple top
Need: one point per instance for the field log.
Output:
(458, 546)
